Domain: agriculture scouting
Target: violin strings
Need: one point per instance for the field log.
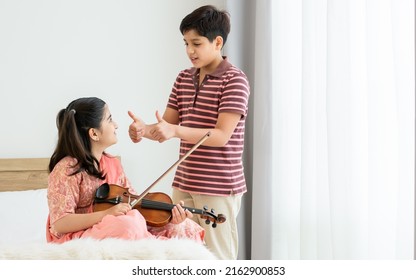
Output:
(156, 204)
(165, 206)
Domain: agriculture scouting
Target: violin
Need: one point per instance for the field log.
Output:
(155, 207)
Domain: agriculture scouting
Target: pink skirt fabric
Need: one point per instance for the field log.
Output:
(132, 226)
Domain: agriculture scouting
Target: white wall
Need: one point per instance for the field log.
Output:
(126, 52)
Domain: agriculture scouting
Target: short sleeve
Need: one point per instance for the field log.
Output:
(235, 94)
(63, 191)
(173, 101)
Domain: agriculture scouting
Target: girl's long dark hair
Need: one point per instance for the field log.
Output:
(73, 125)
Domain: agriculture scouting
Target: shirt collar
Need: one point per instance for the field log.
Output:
(221, 69)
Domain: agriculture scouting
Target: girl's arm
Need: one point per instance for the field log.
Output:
(77, 222)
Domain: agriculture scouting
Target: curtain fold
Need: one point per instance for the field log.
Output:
(263, 215)
(333, 130)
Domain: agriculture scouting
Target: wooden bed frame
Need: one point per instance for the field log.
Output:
(18, 174)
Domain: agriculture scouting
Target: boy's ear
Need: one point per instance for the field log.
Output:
(218, 42)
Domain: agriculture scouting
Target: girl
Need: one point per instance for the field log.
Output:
(79, 165)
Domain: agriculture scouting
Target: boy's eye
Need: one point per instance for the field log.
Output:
(193, 44)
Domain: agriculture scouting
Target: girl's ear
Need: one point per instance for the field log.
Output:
(93, 134)
(218, 42)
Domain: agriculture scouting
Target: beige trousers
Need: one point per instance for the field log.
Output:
(223, 239)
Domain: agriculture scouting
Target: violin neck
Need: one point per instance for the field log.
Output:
(151, 204)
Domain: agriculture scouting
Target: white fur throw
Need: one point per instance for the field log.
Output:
(108, 249)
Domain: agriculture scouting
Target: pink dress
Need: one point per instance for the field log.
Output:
(69, 194)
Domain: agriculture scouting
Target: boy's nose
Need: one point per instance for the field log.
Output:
(190, 50)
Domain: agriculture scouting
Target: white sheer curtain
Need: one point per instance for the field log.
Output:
(333, 130)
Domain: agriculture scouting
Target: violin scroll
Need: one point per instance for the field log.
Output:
(211, 217)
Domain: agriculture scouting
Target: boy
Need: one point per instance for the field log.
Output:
(211, 96)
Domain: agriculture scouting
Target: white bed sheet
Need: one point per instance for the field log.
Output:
(23, 216)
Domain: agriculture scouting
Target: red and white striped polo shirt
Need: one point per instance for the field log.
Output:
(211, 170)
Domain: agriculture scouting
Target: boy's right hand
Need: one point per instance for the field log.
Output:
(137, 128)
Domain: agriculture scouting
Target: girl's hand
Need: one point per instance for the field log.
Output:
(179, 214)
(119, 209)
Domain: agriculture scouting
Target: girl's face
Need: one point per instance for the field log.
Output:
(107, 132)
(202, 53)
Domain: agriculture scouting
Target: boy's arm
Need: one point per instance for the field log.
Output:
(170, 115)
(167, 127)
(137, 129)
(220, 135)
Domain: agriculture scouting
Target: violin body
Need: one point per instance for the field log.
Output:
(155, 207)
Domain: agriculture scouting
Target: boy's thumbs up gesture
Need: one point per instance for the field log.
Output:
(137, 128)
(162, 130)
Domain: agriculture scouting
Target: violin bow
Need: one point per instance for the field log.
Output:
(179, 161)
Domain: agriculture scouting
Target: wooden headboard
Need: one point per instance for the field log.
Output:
(17, 174)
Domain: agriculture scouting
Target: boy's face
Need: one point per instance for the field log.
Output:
(201, 51)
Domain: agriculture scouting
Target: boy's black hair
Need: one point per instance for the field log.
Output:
(208, 21)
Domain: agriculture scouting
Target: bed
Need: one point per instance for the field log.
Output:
(23, 213)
